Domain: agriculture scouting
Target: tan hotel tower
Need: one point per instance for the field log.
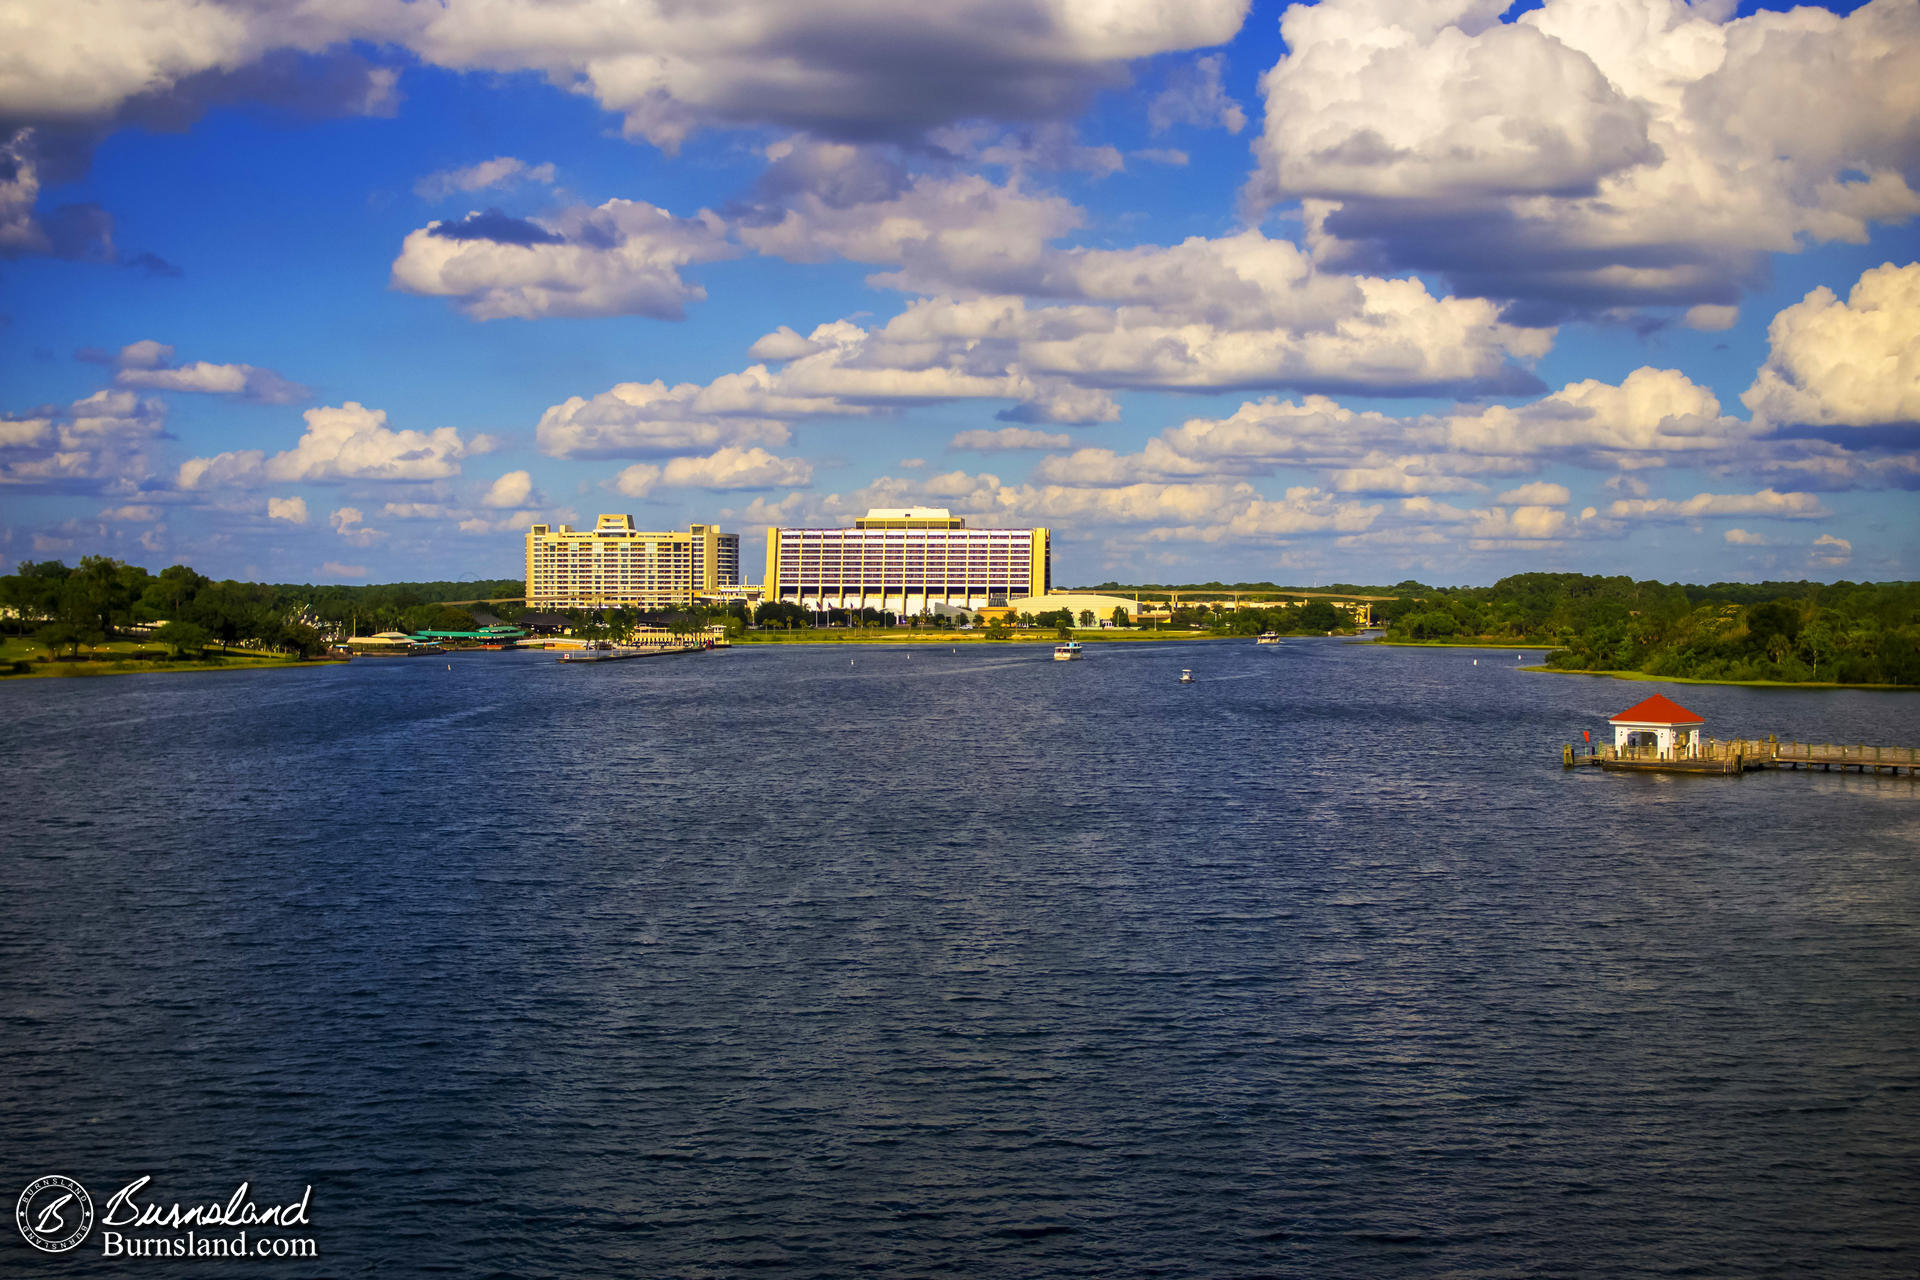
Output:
(906, 560)
(614, 565)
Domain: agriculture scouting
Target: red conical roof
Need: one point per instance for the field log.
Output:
(1659, 709)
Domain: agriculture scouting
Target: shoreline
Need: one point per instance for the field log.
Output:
(1463, 644)
(968, 637)
(1643, 676)
(89, 670)
(249, 662)
(975, 637)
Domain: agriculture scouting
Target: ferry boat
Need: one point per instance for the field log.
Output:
(1268, 637)
(1066, 652)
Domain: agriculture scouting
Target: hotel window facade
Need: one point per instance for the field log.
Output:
(906, 560)
(613, 565)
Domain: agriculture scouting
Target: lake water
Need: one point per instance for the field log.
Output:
(903, 962)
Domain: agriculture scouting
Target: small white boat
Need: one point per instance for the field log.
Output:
(1186, 676)
(1066, 652)
(1268, 637)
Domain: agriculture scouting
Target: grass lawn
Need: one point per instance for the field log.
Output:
(124, 657)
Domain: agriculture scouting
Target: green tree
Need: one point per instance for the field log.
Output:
(64, 633)
(169, 595)
(99, 594)
(1120, 618)
(1434, 625)
(1319, 615)
(33, 592)
(1773, 628)
(183, 639)
(302, 640)
(230, 610)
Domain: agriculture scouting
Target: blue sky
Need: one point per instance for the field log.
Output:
(1357, 291)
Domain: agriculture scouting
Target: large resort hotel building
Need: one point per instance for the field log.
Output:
(906, 560)
(613, 565)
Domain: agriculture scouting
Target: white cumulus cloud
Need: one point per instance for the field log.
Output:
(856, 70)
(726, 468)
(640, 418)
(136, 513)
(348, 442)
(1652, 417)
(622, 258)
(1845, 364)
(511, 490)
(1539, 494)
(352, 442)
(1767, 502)
(1651, 414)
(149, 364)
(101, 439)
(350, 524)
(1501, 525)
(1592, 153)
(292, 510)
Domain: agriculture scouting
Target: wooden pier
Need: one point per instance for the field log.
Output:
(1746, 755)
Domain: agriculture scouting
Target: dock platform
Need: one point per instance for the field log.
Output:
(1747, 755)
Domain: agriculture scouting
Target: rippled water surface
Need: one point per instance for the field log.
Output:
(827, 962)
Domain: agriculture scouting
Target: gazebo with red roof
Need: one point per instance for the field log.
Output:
(1670, 726)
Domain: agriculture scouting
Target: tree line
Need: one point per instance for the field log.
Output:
(1797, 632)
(1310, 618)
(101, 599)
